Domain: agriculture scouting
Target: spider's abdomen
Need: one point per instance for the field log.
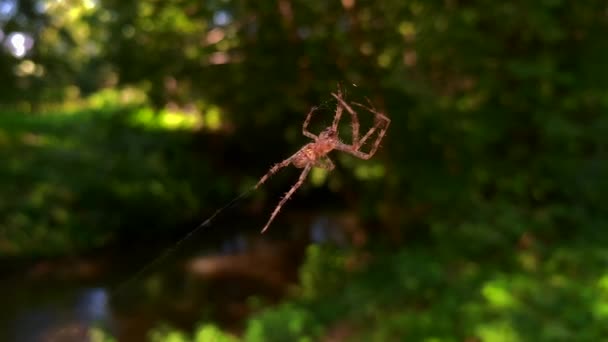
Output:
(304, 157)
(307, 155)
(310, 153)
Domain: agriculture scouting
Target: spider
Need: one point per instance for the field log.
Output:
(314, 154)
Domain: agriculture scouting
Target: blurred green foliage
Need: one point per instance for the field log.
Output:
(489, 186)
(74, 181)
(424, 293)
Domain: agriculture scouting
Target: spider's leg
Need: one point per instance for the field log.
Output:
(382, 123)
(339, 109)
(325, 163)
(379, 120)
(353, 114)
(273, 170)
(288, 195)
(305, 130)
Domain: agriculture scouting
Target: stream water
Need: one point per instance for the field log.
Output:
(209, 278)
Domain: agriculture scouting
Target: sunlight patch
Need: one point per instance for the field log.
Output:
(318, 176)
(177, 120)
(367, 171)
(497, 332)
(111, 97)
(165, 119)
(213, 118)
(600, 309)
(603, 283)
(497, 295)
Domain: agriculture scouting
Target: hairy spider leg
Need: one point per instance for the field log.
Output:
(353, 114)
(288, 195)
(382, 122)
(273, 170)
(379, 119)
(305, 130)
(338, 115)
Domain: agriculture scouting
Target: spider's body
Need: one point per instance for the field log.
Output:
(314, 151)
(314, 154)
(308, 154)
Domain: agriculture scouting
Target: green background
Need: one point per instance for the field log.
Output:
(481, 218)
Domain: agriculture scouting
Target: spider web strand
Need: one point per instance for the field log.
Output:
(175, 246)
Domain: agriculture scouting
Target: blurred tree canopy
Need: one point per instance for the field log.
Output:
(498, 109)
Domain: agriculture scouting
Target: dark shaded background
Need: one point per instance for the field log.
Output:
(123, 125)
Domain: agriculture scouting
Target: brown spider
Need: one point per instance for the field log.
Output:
(315, 153)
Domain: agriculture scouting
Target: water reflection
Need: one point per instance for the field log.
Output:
(65, 318)
(62, 301)
(92, 305)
